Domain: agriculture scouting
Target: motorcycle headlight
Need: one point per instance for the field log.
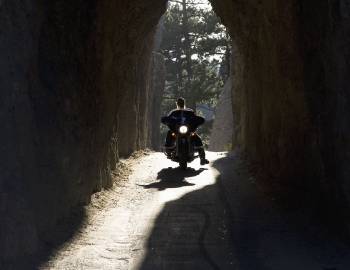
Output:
(183, 129)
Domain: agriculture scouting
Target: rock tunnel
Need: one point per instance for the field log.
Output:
(76, 94)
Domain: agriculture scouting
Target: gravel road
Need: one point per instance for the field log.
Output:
(208, 217)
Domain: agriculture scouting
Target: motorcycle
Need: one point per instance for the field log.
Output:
(183, 150)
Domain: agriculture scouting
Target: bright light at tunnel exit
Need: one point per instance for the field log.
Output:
(202, 4)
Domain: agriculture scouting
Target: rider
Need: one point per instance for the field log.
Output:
(195, 122)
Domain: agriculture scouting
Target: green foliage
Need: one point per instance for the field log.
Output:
(195, 46)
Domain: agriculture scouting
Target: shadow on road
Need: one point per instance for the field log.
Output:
(191, 232)
(232, 224)
(50, 242)
(173, 178)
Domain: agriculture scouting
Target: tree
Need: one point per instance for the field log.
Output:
(195, 45)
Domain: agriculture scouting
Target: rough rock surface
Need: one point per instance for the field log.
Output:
(291, 91)
(222, 131)
(67, 69)
(158, 86)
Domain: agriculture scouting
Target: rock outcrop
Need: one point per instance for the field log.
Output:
(222, 131)
(291, 91)
(158, 85)
(67, 70)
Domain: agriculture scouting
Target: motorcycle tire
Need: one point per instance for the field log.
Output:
(183, 165)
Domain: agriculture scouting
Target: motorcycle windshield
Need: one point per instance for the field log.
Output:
(182, 117)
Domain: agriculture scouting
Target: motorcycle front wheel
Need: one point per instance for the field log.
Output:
(183, 165)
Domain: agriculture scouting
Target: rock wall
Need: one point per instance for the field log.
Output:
(222, 131)
(67, 70)
(138, 116)
(158, 86)
(291, 93)
(132, 115)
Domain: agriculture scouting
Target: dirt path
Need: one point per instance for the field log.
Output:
(211, 217)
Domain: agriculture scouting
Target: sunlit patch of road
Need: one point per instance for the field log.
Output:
(117, 237)
(211, 217)
(194, 178)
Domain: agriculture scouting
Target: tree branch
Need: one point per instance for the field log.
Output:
(189, 3)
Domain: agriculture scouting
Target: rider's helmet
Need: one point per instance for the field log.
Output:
(180, 103)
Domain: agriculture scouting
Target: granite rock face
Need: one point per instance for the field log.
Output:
(222, 131)
(68, 69)
(158, 86)
(291, 93)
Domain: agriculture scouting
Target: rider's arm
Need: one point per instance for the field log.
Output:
(164, 120)
(170, 114)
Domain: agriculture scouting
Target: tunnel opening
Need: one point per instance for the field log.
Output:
(197, 52)
(76, 87)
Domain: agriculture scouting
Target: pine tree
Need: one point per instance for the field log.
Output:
(195, 45)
